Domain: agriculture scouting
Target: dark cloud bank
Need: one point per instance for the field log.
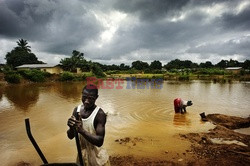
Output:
(147, 30)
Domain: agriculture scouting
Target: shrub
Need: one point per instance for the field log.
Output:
(147, 71)
(157, 72)
(109, 72)
(132, 71)
(183, 78)
(80, 77)
(34, 75)
(211, 71)
(173, 71)
(67, 76)
(12, 77)
(97, 71)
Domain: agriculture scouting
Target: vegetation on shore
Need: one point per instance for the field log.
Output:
(181, 70)
(215, 75)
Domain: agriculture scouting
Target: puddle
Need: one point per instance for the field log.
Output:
(245, 131)
(221, 141)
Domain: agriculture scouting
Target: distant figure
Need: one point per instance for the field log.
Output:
(180, 105)
(203, 116)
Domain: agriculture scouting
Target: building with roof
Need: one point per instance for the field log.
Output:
(234, 70)
(52, 69)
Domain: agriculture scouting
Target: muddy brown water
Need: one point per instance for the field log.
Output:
(145, 116)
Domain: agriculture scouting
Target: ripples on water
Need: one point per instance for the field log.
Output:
(141, 112)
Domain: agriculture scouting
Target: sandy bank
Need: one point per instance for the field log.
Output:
(220, 146)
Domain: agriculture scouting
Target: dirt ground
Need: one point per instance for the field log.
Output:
(221, 146)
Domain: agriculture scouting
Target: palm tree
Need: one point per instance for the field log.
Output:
(23, 45)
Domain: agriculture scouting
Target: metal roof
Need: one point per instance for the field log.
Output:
(36, 66)
(233, 68)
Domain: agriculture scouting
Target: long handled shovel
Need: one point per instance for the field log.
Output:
(27, 124)
(78, 148)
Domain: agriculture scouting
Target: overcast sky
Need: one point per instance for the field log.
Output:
(122, 31)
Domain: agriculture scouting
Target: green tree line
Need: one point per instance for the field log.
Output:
(22, 55)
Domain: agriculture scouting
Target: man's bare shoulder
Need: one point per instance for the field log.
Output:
(101, 115)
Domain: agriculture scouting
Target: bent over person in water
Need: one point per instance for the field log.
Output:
(89, 121)
(180, 105)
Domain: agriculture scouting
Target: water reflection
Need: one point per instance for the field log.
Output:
(22, 96)
(181, 120)
(70, 90)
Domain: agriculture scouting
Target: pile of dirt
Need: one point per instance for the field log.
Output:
(230, 148)
(230, 122)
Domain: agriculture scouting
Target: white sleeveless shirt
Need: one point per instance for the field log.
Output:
(93, 155)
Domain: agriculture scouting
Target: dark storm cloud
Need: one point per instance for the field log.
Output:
(142, 29)
(148, 9)
(57, 25)
(231, 47)
(166, 37)
(8, 24)
(22, 18)
(231, 23)
(176, 37)
(239, 20)
(212, 2)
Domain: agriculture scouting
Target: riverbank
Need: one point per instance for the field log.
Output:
(220, 146)
(185, 77)
(226, 78)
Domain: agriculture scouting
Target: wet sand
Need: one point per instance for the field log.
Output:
(220, 146)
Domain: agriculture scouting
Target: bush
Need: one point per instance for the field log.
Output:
(183, 78)
(12, 77)
(211, 71)
(157, 72)
(173, 71)
(34, 75)
(147, 71)
(80, 77)
(47, 74)
(7, 69)
(38, 77)
(67, 76)
(97, 71)
(132, 71)
(109, 72)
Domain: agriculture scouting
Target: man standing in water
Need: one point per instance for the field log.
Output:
(180, 105)
(89, 121)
